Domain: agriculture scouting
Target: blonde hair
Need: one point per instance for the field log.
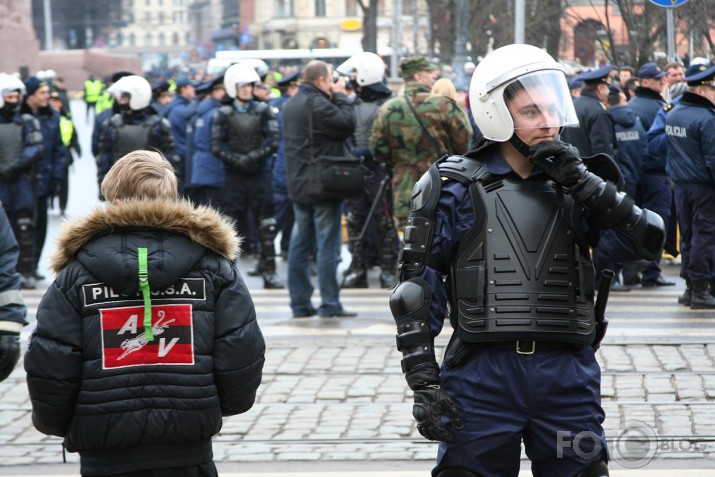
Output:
(445, 87)
(140, 175)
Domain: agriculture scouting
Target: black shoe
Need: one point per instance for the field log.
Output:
(256, 271)
(356, 279)
(387, 280)
(27, 282)
(686, 297)
(307, 314)
(659, 282)
(271, 281)
(37, 275)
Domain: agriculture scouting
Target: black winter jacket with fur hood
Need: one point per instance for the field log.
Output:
(123, 402)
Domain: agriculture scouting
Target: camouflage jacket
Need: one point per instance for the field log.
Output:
(399, 142)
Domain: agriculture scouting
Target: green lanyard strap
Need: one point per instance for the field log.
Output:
(144, 287)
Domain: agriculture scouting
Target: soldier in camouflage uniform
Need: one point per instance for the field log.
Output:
(408, 142)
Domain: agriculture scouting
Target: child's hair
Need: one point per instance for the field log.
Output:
(140, 174)
(445, 87)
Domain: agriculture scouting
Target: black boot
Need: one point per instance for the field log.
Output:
(355, 278)
(711, 283)
(267, 230)
(388, 251)
(701, 297)
(356, 274)
(256, 271)
(687, 295)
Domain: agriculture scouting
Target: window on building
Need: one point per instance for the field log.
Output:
(132, 39)
(162, 39)
(284, 8)
(351, 8)
(147, 17)
(175, 39)
(161, 18)
(320, 8)
(148, 39)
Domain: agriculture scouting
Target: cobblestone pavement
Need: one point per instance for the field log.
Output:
(333, 389)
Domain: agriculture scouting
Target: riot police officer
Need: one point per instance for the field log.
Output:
(244, 136)
(21, 149)
(136, 126)
(369, 78)
(502, 234)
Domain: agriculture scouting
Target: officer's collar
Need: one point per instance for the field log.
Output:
(496, 164)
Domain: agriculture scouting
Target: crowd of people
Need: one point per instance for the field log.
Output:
(515, 202)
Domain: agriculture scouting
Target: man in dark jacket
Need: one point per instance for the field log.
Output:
(148, 336)
(177, 114)
(321, 105)
(52, 168)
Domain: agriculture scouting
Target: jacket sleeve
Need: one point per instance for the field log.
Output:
(34, 146)
(12, 306)
(333, 119)
(53, 363)
(239, 348)
(380, 139)
(460, 129)
(219, 138)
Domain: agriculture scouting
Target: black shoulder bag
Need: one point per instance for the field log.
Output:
(334, 177)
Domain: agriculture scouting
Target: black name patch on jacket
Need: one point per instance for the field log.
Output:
(184, 289)
(124, 342)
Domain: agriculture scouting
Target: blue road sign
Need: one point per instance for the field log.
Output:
(668, 3)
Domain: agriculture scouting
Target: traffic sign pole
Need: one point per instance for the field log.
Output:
(670, 22)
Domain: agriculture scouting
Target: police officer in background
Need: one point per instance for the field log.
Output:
(502, 236)
(136, 126)
(109, 108)
(654, 192)
(690, 142)
(53, 166)
(21, 149)
(178, 113)
(207, 173)
(372, 92)
(70, 140)
(244, 136)
(594, 134)
(282, 205)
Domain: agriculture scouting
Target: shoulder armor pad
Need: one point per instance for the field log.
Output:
(460, 168)
(226, 109)
(426, 191)
(261, 106)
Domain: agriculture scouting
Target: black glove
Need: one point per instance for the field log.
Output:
(560, 161)
(430, 405)
(9, 353)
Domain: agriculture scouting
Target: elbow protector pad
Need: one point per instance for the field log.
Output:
(410, 303)
(611, 208)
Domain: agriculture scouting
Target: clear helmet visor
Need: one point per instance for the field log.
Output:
(540, 100)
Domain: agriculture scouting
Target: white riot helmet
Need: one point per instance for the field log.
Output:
(469, 67)
(534, 70)
(8, 84)
(50, 75)
(138, 89)
(369, 68)
(239, 75)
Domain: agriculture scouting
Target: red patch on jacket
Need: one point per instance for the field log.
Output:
(124, 342)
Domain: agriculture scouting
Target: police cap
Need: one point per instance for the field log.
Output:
(650, 70)
(575, 83)
(184, 80)
(705, 76)
(289, 79)
(159, 87)
(596, 76)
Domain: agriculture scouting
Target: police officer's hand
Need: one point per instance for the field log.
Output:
(560, 161)
(9, 353)
(430, 405)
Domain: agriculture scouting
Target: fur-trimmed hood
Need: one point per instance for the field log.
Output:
(203, 225)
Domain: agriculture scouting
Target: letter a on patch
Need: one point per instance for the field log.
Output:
(124, 342)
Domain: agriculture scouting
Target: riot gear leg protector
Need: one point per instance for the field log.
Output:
(25, 235)
(356, 274)
(267, 230)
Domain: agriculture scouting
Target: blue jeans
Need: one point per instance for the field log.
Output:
(316, 227)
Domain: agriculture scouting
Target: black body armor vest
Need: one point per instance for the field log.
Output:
(519, 273)
(244, 128)
(11, 145)
(131, 137)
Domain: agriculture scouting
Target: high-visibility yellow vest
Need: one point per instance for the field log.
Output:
(92, 90)
(105, 101)
(66, 130)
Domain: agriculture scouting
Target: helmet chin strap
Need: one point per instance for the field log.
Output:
(519, 145)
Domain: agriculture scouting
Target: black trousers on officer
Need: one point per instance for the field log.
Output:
(242, 193)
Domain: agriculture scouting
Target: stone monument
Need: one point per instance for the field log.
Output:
(19, 47)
